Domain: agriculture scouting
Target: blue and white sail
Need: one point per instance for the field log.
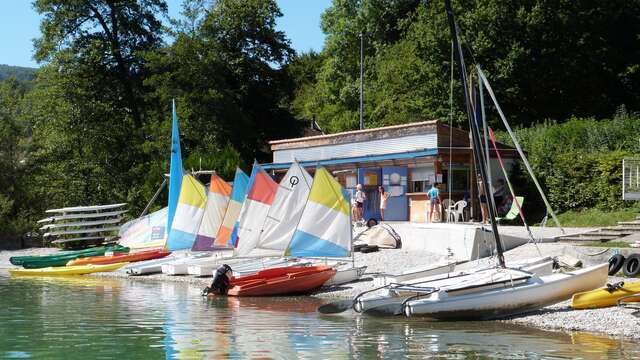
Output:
(176, 171)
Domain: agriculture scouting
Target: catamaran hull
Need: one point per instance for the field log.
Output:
(538, 266)
(533, 294)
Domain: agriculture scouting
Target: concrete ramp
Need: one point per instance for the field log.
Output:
(463, 242)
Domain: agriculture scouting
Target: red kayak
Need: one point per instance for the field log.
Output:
(116, 258)
(281, 281)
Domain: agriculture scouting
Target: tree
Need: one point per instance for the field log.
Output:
(225, 70)
(546, 59)
(88, 106)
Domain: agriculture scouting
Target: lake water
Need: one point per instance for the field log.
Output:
(92, 318)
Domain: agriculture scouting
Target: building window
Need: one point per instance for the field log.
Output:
(459, 179)
(421, 178)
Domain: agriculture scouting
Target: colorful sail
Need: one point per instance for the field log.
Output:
(262, 190)
(189, 212)
(217, 202)
(149, 231)
(238, 194)
(286, 210)
(176, 171)
(325, 225)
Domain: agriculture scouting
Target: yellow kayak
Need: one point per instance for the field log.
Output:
(605, 296)
(68, 270)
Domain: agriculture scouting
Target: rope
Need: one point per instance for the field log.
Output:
(449, 178)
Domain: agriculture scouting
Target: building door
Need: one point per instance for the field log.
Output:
(394, 180)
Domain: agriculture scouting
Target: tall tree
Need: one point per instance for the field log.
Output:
(94, 70)
(225, 68)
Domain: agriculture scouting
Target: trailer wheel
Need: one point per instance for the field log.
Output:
(632, 265)
(615, 263)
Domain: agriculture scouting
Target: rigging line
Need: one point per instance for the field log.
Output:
(473, 124)
(517, 145)
(449, 177)
(513, 193)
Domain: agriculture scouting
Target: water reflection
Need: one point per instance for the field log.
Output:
(101, 318)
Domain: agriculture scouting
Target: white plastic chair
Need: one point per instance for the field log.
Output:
(456, 211)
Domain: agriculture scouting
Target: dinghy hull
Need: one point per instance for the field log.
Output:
(531, 294)
(281, 281)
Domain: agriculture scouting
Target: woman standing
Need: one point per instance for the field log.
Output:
(360, 199)
(383, 201)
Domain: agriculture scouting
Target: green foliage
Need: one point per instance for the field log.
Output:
(579, 162)
(541, 56)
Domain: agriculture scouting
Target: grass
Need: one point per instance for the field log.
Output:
(608, 244)
(595, 217)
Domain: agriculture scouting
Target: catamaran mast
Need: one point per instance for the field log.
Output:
(475, 132)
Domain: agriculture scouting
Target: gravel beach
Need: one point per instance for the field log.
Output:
(613, 321)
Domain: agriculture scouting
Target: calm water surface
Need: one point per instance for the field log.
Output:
(83, 317)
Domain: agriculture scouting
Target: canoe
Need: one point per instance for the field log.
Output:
(61, 258)
(603, 297)
(281, 281)
(67, 270)
(504, 297)
(130, 257)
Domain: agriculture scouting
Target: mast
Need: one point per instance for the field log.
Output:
(475, 133)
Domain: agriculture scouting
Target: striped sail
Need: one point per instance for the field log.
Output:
(262, 190)
(325, 226)
(148, 231)
(189, 212)
(176, 171)
(286, 210)
(238, 194)
(217, 201)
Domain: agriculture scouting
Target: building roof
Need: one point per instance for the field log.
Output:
(355, 160)
(355, 135)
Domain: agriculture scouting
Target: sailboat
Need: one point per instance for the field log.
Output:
(485, 293)
(320, 232)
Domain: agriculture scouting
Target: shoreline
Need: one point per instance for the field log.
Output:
(611, 321)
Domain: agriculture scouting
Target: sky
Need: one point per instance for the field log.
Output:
(19, 25)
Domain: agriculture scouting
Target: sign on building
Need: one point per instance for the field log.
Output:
(631, 179)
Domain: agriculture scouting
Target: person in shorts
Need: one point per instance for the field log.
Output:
(434, 200)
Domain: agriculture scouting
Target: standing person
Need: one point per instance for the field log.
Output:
(434, 199)
(361, 197)
(484, 206)
(384, 196)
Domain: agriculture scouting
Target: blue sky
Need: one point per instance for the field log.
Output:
(19, 24)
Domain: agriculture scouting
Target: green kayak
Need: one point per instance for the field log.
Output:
(61, 259)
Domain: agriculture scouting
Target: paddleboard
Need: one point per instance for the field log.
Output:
(82, 216)
(86, 208)
(81, 223)
(67, 270)
(62, 241)
(82, 231)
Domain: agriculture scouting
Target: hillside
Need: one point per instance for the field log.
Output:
(19, 72)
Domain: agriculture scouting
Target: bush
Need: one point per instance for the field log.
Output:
(579, 162)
